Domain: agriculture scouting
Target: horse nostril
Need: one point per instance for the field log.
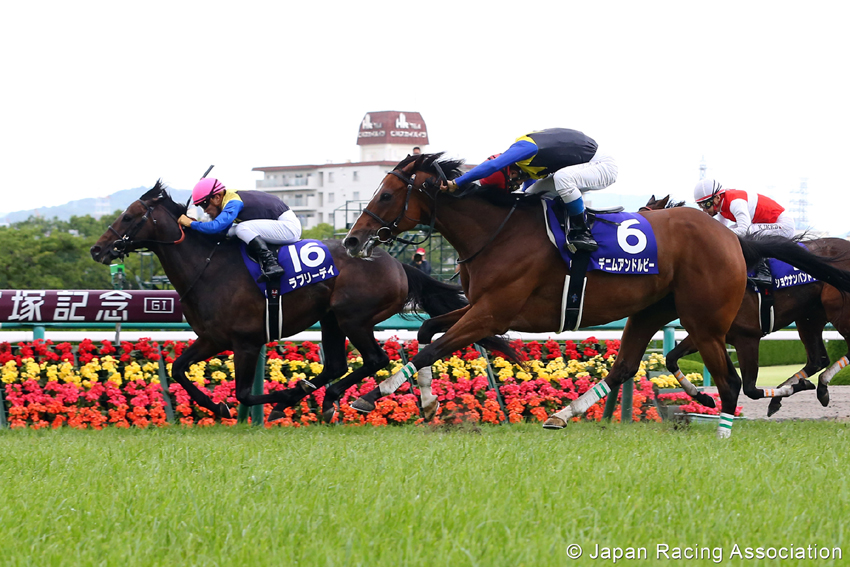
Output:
(350, 242)
(95, 251)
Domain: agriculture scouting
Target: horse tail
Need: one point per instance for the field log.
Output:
(756, 247)
(437, 298)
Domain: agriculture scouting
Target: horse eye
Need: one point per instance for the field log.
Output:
(127, 218)
(386, 196)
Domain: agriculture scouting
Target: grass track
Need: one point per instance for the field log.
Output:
(324, 496)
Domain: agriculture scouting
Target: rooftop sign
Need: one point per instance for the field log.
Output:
(392, 127)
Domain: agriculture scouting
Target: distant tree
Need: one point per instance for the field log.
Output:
(322, 231)
(43, 253)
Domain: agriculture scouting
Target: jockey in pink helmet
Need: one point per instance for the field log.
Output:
(255, 217)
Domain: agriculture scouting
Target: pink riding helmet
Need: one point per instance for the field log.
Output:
(206, 188)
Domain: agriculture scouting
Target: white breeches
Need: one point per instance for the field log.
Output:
(570, 182)
(285, 230)
(784, 226)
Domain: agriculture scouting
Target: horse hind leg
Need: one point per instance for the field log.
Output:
(685, 348)
(836, 307)
(335, 365)
(810, 330)
(639, 330)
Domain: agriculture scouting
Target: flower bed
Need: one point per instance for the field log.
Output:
(98, 385)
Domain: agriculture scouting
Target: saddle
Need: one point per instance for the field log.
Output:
(561, 213)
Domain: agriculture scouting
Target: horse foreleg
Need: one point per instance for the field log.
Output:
(636, 336)
(479, 321)
(201, 349)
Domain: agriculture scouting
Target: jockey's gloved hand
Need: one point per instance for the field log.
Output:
(449, 186)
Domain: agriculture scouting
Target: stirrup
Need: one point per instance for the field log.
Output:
(582, 245)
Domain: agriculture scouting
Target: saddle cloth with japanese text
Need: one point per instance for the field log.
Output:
(626, 242)
(305, 262)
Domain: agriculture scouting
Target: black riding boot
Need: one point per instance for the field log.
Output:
(579, 235)
(763, 278)
(268, 261)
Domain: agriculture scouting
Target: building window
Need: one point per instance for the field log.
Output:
(299, 200)
(331, 197)
(330, 177)
(354, 176)
(321, 199)
(355, 195)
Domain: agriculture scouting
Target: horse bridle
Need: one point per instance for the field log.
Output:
(410, 181)
(125, 242)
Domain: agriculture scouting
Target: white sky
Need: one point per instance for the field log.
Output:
(98, 97)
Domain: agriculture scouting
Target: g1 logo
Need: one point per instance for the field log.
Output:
(311, 255)
(624, 231)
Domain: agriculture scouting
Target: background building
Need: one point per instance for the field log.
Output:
(335, 193)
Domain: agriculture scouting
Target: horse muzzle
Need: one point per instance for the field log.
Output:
(358, 248)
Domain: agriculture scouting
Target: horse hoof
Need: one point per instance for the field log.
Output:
(429, 411)
(806, 385)
(705, 400)
(775, 406)
(224, 411)
(823, 395)
(554, 423)
(307, 386)
(329, 414)
(275, 415)
(363, 406)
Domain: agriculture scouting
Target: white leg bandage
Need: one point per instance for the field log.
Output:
(724, 428)
(689, 388)
(586, 400)
(424, 380)
(392, 383)
(830, 372)
(780, 392)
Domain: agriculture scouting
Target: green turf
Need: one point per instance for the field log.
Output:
(513, 495)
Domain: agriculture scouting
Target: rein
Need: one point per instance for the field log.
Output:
(125, 242)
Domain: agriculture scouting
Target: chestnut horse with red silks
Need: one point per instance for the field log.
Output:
(810, 306)
(514, 277)
(225, 307)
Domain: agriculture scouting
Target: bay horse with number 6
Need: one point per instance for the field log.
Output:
(514, 277)
(226, 308)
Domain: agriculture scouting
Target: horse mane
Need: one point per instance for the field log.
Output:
(674, 204)
(160, 192)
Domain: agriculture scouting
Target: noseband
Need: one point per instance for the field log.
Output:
(125, 242)
(390, 227)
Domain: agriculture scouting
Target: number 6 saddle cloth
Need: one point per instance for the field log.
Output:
(626, 242)
(626, 246)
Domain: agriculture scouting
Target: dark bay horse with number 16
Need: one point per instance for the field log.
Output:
(226, 308)
(514, 278)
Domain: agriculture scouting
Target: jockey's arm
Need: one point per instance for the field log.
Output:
(740, 209)
(517, 152)
(223, 221)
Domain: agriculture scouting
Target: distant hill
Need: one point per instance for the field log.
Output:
(119, 200)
